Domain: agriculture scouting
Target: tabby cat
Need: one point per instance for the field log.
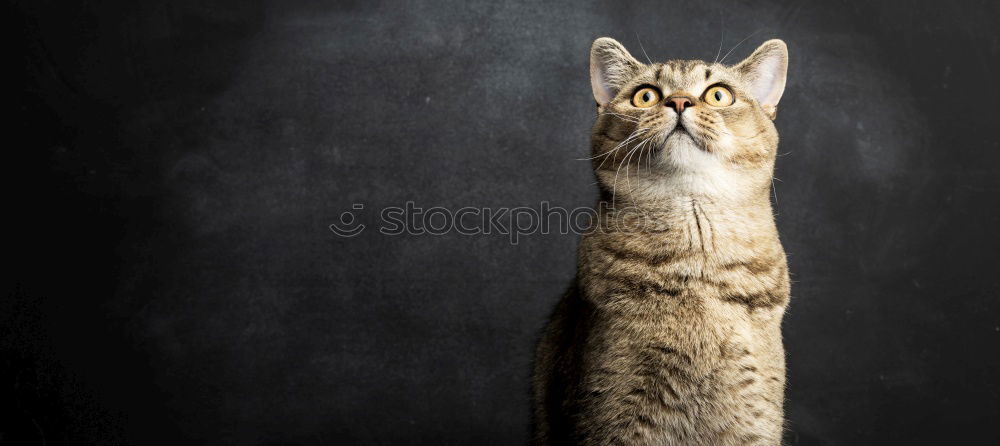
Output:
(671, 331)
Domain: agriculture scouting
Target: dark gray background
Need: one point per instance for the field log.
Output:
(174, 166)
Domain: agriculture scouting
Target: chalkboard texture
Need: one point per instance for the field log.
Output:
(175, 167)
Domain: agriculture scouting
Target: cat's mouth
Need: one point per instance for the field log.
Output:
(680, 137)
(681, 134)
(678, 131)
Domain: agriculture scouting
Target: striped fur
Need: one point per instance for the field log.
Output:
(671, 332)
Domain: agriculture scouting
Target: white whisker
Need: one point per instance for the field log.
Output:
(612, 150)
(639, 147)
(623, 117)
(721, 39)
(614, 186)
(775, 191)
(738, 44)
(634, 134)
(643, 49)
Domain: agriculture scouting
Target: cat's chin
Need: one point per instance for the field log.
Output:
(686, 154)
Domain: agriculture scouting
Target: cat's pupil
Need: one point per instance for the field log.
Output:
(648, 97)
(718, 96)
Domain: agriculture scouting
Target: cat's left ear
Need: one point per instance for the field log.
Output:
(764, 73)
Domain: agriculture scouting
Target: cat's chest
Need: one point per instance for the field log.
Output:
(687, 332)
(704, 352)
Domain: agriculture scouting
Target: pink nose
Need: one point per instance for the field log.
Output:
(678, 102)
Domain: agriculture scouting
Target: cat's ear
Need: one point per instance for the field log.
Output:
(611, 66)
(764, 73)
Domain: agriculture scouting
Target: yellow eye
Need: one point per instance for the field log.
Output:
(646, 97)
(719, 96)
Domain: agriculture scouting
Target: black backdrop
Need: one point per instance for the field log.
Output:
(175, 166)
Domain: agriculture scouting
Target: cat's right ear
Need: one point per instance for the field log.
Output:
(611, 66)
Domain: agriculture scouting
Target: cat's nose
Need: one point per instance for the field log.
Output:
(679, 102)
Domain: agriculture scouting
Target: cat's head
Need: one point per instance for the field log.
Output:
(685, 127)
